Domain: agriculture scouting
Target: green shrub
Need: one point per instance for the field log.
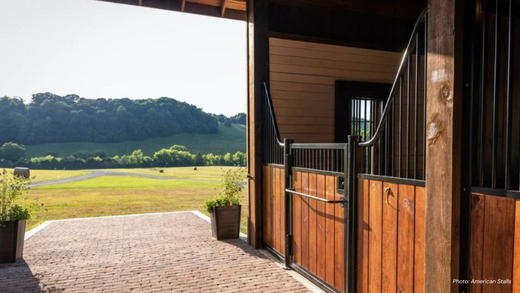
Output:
(232, 184)
(14, 203)
(17, 213)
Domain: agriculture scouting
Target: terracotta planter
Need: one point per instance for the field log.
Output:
(225, 222)
(12, 235)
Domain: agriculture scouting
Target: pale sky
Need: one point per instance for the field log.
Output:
(98, 49)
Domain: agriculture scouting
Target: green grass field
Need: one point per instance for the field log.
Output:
(209, 172)
(46, 175)
(230, 140)
(113, 195)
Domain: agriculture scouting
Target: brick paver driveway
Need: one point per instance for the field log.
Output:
(149, 253)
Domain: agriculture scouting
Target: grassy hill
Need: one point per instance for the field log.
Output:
(230, 140)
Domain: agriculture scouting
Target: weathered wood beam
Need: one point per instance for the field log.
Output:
(183, 5)
(443, 151)
(258, 71)
(223, 8)
(140, 2)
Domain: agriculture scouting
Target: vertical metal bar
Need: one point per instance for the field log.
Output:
(350, 213)
(380, 115)
(408, 132)
(416, 118)
(288, 201)
(365, 117)
(509, 107)
(400, 126)
(425, 100)
(483, 93)
(392, 134)
(496, 87)
(387, 137)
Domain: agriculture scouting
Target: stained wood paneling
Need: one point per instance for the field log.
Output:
(405, 253)
(363, 235)
(389, 226)
(318, 231)
(320, 227)
(302, 77)
(494, 243)
(420, 227)
(390, 237)
(273, 208)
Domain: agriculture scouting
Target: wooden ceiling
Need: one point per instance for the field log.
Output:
(232, 9)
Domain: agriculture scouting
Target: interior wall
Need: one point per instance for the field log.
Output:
(302, 83)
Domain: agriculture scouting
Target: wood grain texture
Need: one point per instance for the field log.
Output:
(297, 219)
(375, 237)
(363, 230)
(339, 245)
(420, 205)
(312, 225)
(405, 250)
(303, 75)
(516, 252)
(321, 249)
(390, 202)
(497, 261)
(476, 240)
(258, 62)
(267, 207)
(276, 210)
(443, 158)
(305, 221)
(329, 231)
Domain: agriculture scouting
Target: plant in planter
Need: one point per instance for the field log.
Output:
(225, 208)
(13, 216)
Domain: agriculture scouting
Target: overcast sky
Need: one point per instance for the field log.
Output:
(97, 49)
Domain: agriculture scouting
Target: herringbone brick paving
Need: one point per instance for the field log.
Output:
(148, 253)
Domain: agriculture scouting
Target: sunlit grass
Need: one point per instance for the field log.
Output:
(122, 195)
(46, 175)
(209, 172)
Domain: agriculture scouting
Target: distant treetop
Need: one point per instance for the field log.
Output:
(53, 118)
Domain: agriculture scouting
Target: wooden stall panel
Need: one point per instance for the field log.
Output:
(405, 253)
(492, 243)
(390, 252)
(389, 233)
(374, 238)
(363, 230)
(274, 208)
(267, 209)
(318, 229)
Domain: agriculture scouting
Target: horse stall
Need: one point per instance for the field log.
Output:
(383, 147)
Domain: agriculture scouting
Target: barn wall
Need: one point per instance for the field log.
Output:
(302, 78)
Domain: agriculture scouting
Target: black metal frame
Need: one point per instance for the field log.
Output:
(383, 134)
(487, 57)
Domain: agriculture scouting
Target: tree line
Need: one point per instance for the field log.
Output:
(13, 155)
(53, 118)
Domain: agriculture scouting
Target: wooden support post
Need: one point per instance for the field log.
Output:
(258, 72)
(443, 151)
(183, 5)
(223, 8)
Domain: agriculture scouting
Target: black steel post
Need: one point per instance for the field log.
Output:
(288, 208)
(350, 213)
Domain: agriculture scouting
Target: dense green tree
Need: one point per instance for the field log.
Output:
(52, 118)
(12, 152)
(239, 118)
(227, 123)
(199, 160)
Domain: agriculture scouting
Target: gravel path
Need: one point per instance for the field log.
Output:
(96, 174)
